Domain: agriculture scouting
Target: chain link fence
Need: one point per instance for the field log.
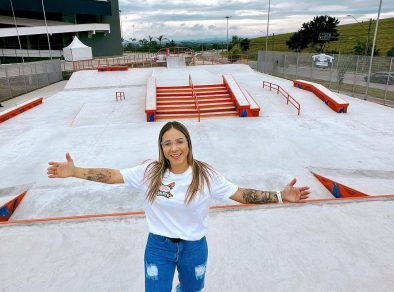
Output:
(20, 78)
(346, 74)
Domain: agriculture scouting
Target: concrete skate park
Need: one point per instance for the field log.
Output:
(74, 235)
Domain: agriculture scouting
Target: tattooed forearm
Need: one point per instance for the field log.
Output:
(258, 197)
(98, 174)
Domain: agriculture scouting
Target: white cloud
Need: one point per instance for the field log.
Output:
(185, 19)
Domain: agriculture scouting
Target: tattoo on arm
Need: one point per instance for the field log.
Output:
(259, 197)
(98, 174)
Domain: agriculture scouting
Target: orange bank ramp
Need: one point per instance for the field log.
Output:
(355, 183)
(10, 198)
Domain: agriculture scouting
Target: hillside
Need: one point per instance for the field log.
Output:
(349, 34)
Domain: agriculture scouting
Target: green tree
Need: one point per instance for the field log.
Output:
(309, 33)
(245, 44)
(296, 42)
(234, 41)
(390, 53)
(359, 49)
(161, 38)
(171, 44)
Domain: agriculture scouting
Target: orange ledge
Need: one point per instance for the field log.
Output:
(12, 112)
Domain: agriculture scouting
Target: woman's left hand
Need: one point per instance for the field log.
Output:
(295, 194)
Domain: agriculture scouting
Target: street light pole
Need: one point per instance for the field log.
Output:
(46, 27)
(227, 17)
(369, 28)
(268, 25)
(17, 32)
(373, 50)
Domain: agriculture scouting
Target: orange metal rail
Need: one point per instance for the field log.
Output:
(195, 97)
(286, 95)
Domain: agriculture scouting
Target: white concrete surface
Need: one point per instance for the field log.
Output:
(319, 247)
(44, 92)
(310, 247)
(176, 62)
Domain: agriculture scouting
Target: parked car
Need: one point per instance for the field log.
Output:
(381, 77)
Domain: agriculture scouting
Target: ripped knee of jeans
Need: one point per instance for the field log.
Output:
(200, 271)
(152, 272)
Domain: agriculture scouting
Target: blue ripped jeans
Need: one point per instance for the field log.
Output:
(162, 256)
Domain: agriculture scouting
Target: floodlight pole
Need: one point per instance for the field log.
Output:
(46, 27)
(367, 30)
(17, 32)
(227, 17)
(373, 50)
(268, 25)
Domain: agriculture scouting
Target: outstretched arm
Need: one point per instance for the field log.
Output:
(68, 169)
(289, 194)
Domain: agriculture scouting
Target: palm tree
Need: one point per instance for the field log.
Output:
(160, 39)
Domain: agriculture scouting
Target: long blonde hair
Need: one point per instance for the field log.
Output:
(155, 170)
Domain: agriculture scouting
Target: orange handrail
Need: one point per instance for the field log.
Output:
(195, 97)
(286, 95)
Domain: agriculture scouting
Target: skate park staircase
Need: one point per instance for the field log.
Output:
(198, 101)
(331, 99)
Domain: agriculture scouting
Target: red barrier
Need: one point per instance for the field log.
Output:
(112, 68)
(12, 112)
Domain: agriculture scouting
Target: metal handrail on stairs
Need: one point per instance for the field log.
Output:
(195, 97)
(288, 97)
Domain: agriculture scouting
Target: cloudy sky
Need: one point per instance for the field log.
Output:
(190, 20)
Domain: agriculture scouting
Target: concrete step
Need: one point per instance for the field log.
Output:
(210, 89)
(195, 115)
(185, 101)
(192, 110)
(212, 96)
(163, 99)
(170, 94)
(173, 90)
(216, 104)
(164, 107)
(208, 93)
(208, 85)
(173, 87)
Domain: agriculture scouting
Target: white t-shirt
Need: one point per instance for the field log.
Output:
(168, 215)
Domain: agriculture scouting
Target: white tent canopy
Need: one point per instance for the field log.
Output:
(77, 51)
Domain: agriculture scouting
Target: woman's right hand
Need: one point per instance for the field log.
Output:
(61, 169)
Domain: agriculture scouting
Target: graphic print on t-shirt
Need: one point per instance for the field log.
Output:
(165, 190)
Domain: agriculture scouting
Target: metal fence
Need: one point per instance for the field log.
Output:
(20, 78)
(31, 53)
(344, 73)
